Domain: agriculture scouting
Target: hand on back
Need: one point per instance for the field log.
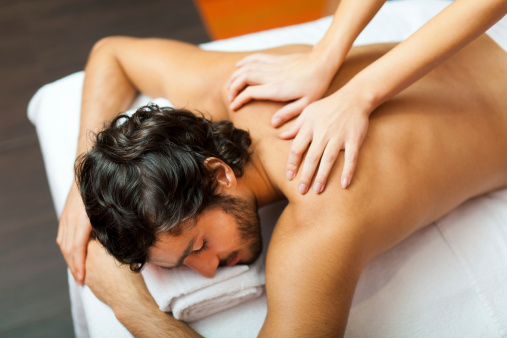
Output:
(299, 78)
(323, 127)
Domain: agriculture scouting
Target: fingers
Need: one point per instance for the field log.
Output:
(250, 73)
(312, 160)
(66, 249)
(257, 57)
(351, 154)
(73, 244)
(61, 235)
(79, 248)
(288, 112)
(327, 161)
(260, 92)
(298, 147)
(292, 132)
(242, 78)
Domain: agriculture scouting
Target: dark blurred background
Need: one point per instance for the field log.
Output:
(40, 42)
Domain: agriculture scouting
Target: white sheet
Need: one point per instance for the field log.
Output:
(447, 280)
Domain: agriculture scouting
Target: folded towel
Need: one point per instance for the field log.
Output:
(190, 296)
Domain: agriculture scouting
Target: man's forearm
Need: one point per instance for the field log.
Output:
(127, 295)
(144, 319)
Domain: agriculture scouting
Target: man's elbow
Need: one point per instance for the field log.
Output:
(104, 44)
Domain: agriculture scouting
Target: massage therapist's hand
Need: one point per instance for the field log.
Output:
(337, 122)
(73, 234)
(301, 78)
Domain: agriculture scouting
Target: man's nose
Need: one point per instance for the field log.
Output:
(204, 265)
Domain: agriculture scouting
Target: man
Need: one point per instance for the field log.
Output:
(430, 148)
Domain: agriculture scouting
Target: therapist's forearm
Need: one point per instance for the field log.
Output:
(452, 29)
(106, 92)
(349, 20)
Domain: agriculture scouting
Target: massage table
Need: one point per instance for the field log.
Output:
(447, 280)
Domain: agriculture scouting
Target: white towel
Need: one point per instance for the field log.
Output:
(190, 296)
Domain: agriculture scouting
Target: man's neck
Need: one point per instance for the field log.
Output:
(257, 182)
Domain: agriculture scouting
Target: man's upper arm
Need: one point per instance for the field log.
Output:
(183, 73)
(311, 273)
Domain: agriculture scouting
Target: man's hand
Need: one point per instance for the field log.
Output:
(73, 234)
(337, 122)
(301, 78)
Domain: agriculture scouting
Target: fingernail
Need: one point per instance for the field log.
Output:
(345, 182)
(289, 174)
(302, 188)
(276, 121)
(230, 97)
(228, 84)
(318, 188)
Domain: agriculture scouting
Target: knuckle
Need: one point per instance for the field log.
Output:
(242, 98)
(100, 44)
(295, 151)
(313, 157)
(247, 92)
(352, 157)
(330, 158)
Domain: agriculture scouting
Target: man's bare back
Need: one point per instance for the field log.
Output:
(435, 145)
(443, 137)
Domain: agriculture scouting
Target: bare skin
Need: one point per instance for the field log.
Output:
(340, 121)
(430, 148)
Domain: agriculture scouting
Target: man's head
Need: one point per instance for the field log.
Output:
(156, 177)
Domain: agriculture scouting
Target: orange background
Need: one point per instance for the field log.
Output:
(227, 18)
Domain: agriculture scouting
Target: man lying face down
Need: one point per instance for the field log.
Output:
(169, 187)
(151, 178)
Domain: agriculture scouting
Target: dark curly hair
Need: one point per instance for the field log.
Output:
(146, 175)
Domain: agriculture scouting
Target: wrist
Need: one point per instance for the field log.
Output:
(366, 91)
(331, 55)
(126, 309)
(130, 296)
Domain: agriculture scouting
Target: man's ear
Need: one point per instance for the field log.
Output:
(224, 175)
